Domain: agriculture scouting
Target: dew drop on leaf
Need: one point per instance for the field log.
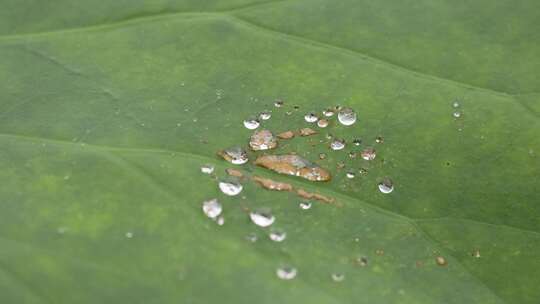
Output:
(129, 235)
(455, 104)
(456, 114)
(262, 217)
(311, 117)
(286, 272)
(368, 154)
(278, 103)
(337, 144)
(357, 141)
(234, 155)
(338, 277)
(251, 123)
(347, 116)
(441, 261)
(305, 205)
(207, 168)
(323, 123)
(277, 235)
(328, 112)
(262, 140)
(350, 174)
(220, 221)
(230, 188)
(322, 155)
(265, 115)
(386, 186)
(212, 208)
(379, 139)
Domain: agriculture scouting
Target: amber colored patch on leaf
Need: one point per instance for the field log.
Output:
(272, 184)
(234, 172)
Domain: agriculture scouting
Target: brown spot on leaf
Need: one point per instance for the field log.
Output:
(293, 165)
(272, 184)
(234, 172)
(286, 135)
(316, 196)
(306, 132)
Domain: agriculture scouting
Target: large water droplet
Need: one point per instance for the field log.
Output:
(386, 186)
(311, 117)
(305, 205)
(337, 144)
(207, 168)
(286, 272)
(262, 140)
(265, 115)
(234, 155)
(212, 208)
(251, 123)
(262, 217)
(230, 188)
(277, 235)
(338, 277)
(368, 154)
(347, 116)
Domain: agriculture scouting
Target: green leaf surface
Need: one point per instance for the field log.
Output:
(109, 108)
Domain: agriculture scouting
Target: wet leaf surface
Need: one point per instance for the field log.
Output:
(109, 111)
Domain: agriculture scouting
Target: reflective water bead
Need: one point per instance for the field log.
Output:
(207, 169)
(262, 217)
(386, 186)
(347, 116)
(286, 272)
(212, 208)
(311, 117)
(230, 188)
(337, 144)
(251, 123)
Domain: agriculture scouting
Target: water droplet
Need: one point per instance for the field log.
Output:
(322, 155)
(379, 252)
(337, 144)
(278, 103)
(277, 235)
(311, 117)
(212, 208)
(476, 253)
(456, 114)
(352, 154)
(338, 277)
(230, 188)
(363, 171)
(328, 112)
(455, 104)
(368, 154)
(286, 272)
(252, 237)
(262, 217)
(305, 205)
(379, 140)
(265, 115)
(262, 140)
(207, 168)
(251, 123)
(220, 220)
(129, 235)
(347, 116)
(323, 123)
(234, 155)
(361, 261)
(386, 186)
(441, 261)
(357, 142)
(350, 174)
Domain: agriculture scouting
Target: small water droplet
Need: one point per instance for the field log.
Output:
(323, 123)
(220, 221)
(207, 168)
(337, 144)
(251, 123)
(328, 112)
(350, 174)
(305, 205)
(212, 208)
(286, 272)
(230, 188)
(252, 237)
(455, 104)
(352, 154)
(456, 114)
(363, 171)
(234, 155)
(357, 141)
(277, 235)
(361, 261)
(311, 117)
(322, 155)
(379, 252)
(386, 186)
(441, 261)
(262, 217)
(476, 253)
(288, 113)
(129, 235)
(265, 115)
(347, 116)
(338, 277)
(379, 140)
(368, 154)
(278, 103)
